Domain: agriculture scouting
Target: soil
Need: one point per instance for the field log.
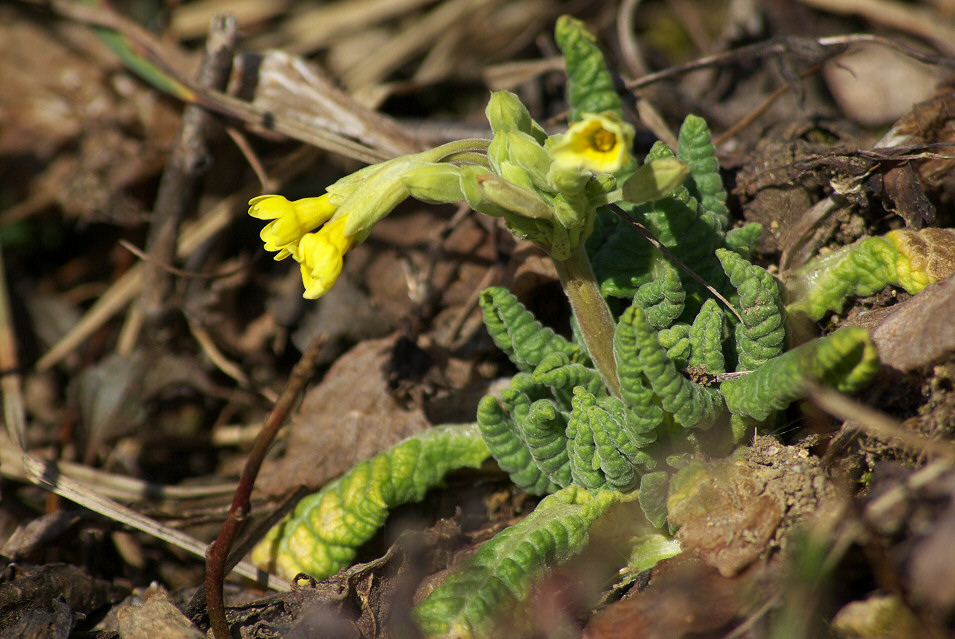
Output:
(150, 334)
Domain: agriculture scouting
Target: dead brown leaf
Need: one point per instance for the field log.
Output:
(917, 331)
(347, 418)
(686, 597)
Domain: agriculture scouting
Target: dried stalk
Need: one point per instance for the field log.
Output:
(188, 161)
(217, 557)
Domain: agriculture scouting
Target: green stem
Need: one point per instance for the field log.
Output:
(591, 312)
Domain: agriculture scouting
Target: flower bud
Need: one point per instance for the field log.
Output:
(654, 180)
(513, 198)
(438, 183)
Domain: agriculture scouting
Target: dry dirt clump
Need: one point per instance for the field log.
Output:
(734, 511)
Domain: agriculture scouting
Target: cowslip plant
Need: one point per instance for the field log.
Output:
(657, 368)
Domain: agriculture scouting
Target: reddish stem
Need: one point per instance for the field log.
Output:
(218, 553)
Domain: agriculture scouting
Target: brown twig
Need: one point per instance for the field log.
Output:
(218, 554)
(178, 272)
(750, 117)
(650, 237)
(189, 160)
(809, 49)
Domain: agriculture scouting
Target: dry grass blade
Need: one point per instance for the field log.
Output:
(46, 475)
(111, 485)
(316, 26)
(416, 38)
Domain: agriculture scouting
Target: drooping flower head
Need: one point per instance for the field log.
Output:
(291, 220)
(318, 231)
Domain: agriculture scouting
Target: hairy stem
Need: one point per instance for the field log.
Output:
(591, 312)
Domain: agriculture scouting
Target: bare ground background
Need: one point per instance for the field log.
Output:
(145, 370)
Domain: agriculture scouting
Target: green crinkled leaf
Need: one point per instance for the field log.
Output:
(326, 528)
(502, 572)
(662, 298)
(683, 226)
(692, 235)
(544, 433)
(847, 359)
(706, 338)
(616, 443)
(861, 269)
(624, 261)
(517, 332)
(906, 258)
(762, 334)
(589, 84)
(582, 451)
(696, 150)
(743, 239)
(557, 371)
(676, 341)
(692, 405)
(500, 424)
(634, 385)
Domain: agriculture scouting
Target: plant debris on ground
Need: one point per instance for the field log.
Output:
(145, 335)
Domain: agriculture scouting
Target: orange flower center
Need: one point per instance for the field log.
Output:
(603, 140)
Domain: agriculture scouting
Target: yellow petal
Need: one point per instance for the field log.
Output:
(320, 255)
(290, 220)
(598, 143)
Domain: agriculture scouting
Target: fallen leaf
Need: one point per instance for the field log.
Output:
(915, 334)
(734, 511)
(347, 418)
(686, 597)
(155, 617)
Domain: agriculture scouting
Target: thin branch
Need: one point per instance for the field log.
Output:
(178, 272)
(189, 159)
(217, 557)
(805, 48)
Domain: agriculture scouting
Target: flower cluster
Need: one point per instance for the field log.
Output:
(547, 189)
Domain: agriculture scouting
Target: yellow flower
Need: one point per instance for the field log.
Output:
(599, 143)
(351, 207)
(290, 220)
(320, 255)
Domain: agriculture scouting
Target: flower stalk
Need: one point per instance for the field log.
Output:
(591, 312)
